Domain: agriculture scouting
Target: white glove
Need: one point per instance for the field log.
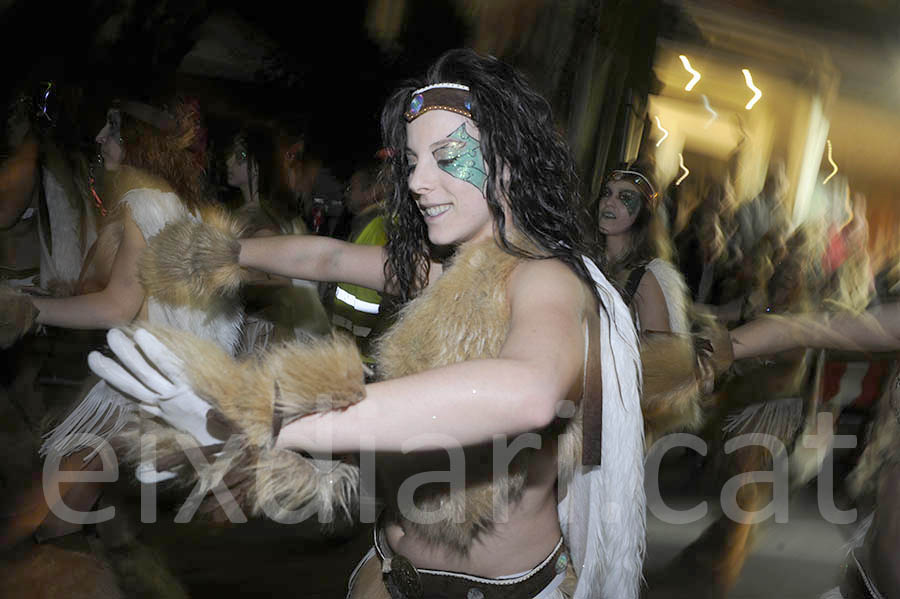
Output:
(160, 386)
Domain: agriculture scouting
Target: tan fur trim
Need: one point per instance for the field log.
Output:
(324, 374)
(287, 482)
(670, 397)
(240, 390)
(679, 373)
(17, 315)
(189, 263)
(464, 315)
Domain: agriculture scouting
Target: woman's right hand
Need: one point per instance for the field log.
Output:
(17, 315)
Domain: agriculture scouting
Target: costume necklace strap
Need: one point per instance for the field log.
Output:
(453, 97)
(634, 279)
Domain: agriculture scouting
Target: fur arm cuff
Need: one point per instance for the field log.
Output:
(252, 396)
(288, 382)
(678, 370)
(17, 315)
(190, 262)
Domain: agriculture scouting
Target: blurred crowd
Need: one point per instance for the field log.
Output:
(68, 213)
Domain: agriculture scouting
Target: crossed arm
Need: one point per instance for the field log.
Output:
(470, 402)
(117, 303)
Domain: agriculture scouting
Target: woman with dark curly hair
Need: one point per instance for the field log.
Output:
(512, 335)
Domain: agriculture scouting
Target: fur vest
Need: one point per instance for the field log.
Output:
(464, 315)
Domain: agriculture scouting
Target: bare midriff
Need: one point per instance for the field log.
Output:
(524, 540)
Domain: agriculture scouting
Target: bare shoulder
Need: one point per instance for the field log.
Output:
(548, 281)
(650, 302)
(649, 286)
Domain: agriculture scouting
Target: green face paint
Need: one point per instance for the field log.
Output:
(461, 158)
(630, 200)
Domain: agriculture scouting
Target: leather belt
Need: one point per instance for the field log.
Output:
(405, 581)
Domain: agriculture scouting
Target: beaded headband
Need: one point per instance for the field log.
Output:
(639, 180)
(453, 97)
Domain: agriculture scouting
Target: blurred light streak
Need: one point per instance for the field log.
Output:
(833, 164)
(686, 171)
(757, 94)
(687, 66)
(715, 114)
(665, 133)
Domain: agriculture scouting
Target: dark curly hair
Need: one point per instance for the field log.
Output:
(518, 138)
(170, 154)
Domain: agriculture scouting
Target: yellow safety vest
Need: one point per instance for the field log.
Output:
(356, 308)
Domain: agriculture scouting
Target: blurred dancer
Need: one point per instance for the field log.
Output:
(278, 308)
(150, 181)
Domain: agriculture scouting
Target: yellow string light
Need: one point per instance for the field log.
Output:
(665, 133)
(757, 94)
(686, 171)
(696, 74)
(833, 163)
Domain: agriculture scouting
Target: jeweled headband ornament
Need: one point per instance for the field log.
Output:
(453, 97)
(639, 180)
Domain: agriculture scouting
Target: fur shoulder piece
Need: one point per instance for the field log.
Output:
(463, 315)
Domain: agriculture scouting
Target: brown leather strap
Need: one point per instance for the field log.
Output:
(405, 581)
(592, 396)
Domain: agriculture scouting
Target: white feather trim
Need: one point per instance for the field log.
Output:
(604, 512)
(103, 412)
(675, 292)
(221, 322)
(779, 417)
(152, 209)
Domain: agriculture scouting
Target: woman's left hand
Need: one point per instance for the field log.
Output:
(160, 385)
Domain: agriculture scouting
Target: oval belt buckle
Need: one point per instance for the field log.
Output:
(402, 579)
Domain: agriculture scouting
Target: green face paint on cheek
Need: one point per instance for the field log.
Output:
(631, 203)
(462, 158)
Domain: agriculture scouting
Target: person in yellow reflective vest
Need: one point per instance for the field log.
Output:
(354, 308)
